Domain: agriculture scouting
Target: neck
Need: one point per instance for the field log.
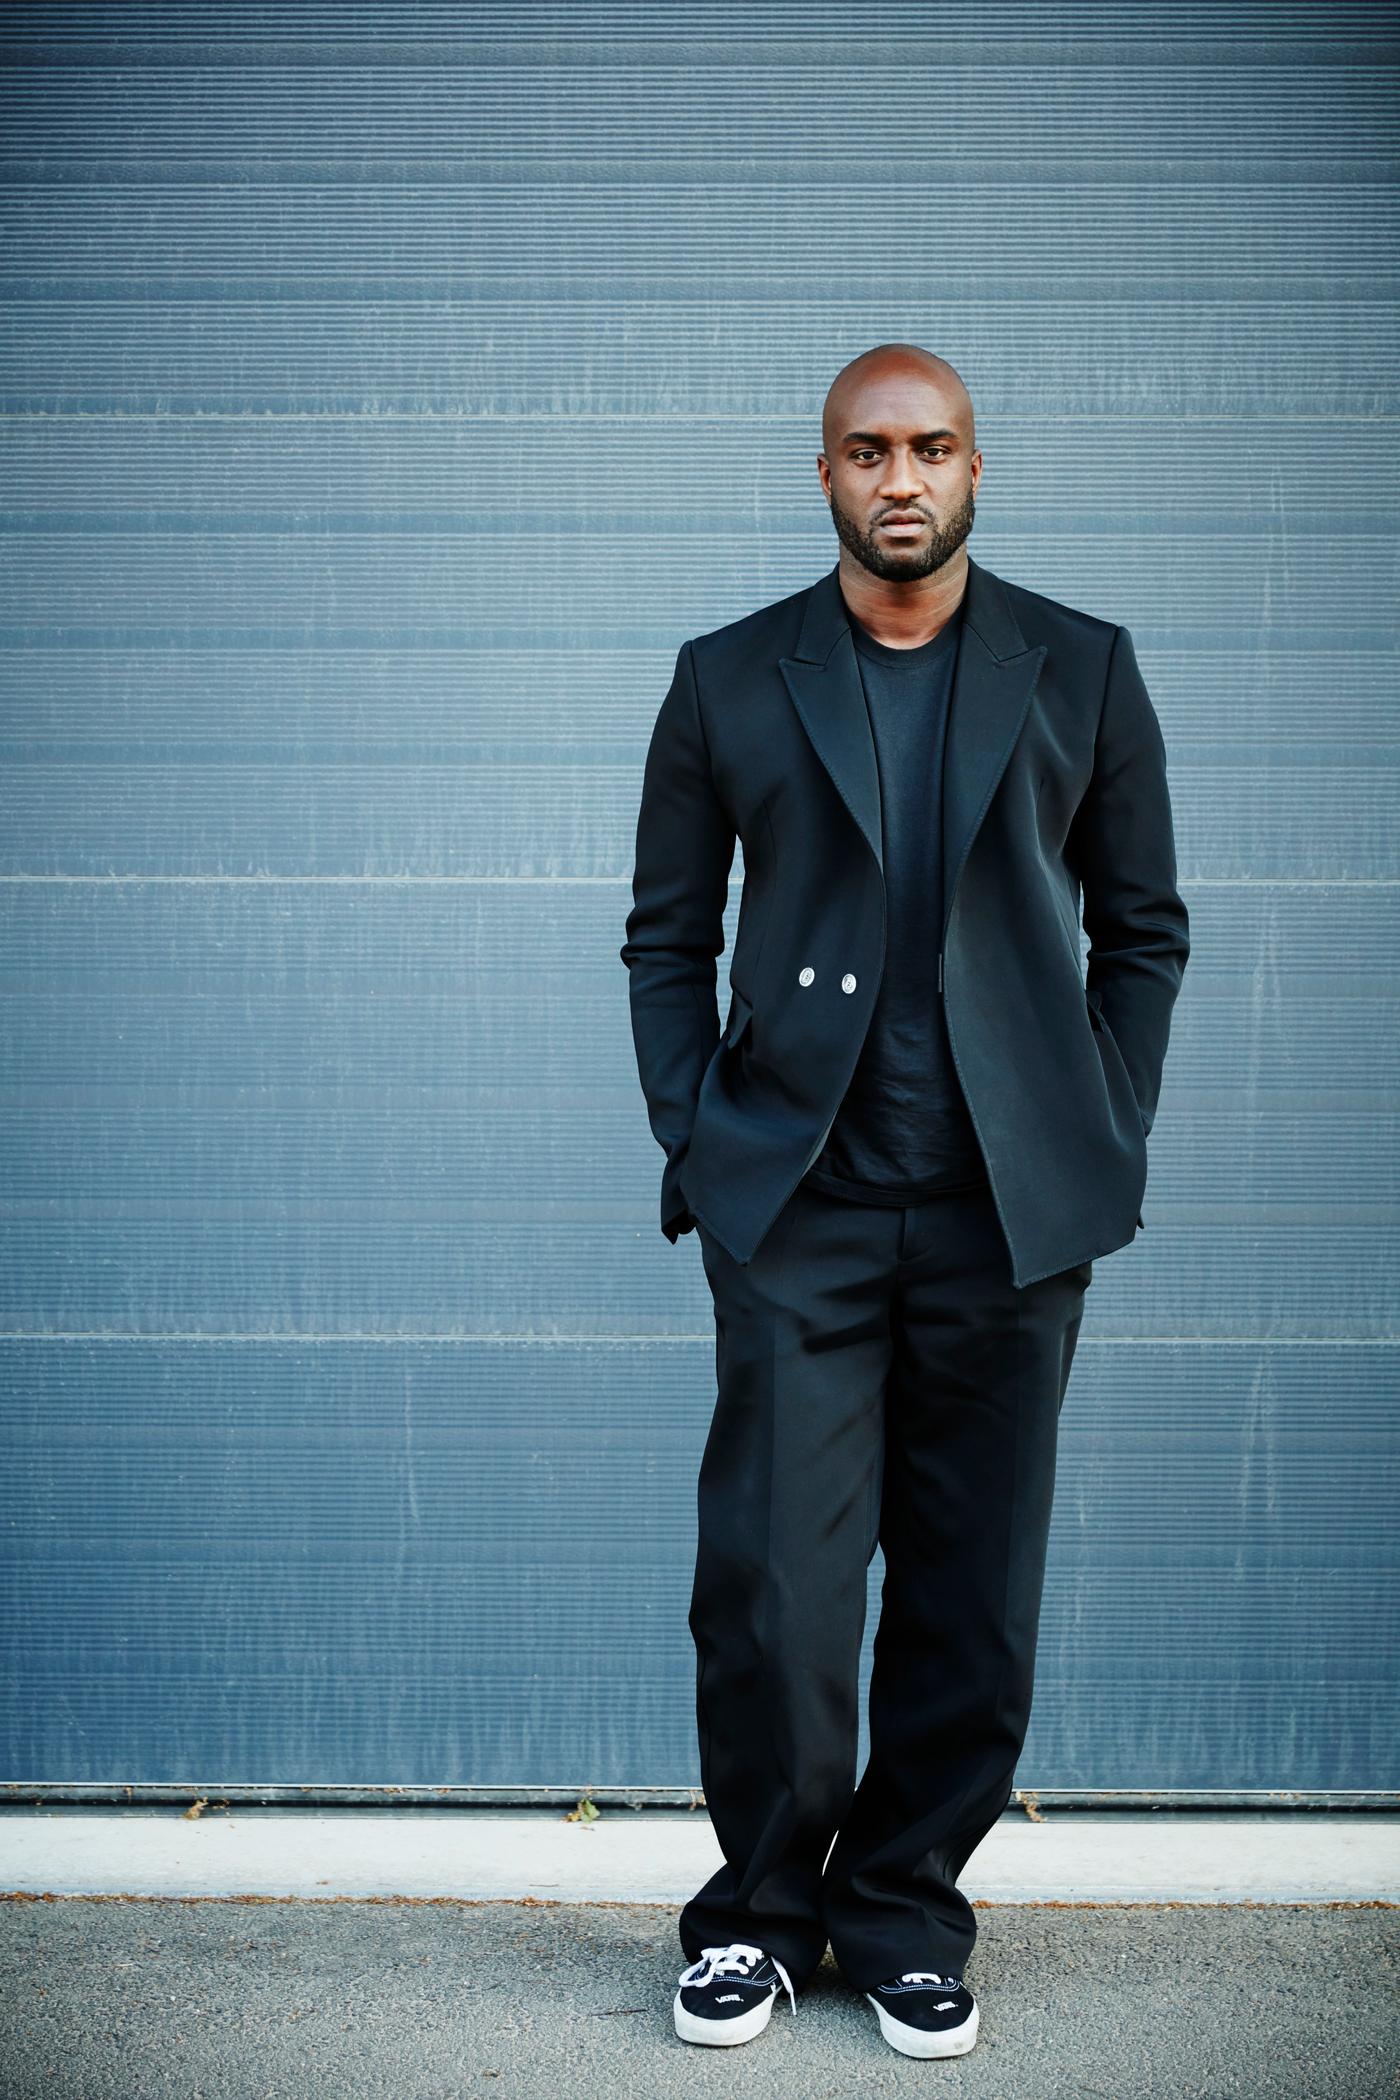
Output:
(903, 615)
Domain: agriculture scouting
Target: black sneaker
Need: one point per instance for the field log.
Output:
(924, 2014)
(728, 1994)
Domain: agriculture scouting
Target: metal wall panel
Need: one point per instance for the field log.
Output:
(386, 393)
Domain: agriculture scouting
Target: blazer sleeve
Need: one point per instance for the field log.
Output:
(675, 929)
(1124, 850)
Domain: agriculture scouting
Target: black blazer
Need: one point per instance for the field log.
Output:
(1055, 787)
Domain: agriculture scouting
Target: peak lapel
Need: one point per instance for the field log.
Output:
(823, 678)
(993, 686)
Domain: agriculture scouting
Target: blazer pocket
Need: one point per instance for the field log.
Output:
(1093, 1001)
(1101, 1027)
(740, 1014)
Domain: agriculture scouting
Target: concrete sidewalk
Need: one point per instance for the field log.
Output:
(663, 1855)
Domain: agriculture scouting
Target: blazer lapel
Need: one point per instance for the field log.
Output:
(993, 685)
(992, 689)
(823, 678)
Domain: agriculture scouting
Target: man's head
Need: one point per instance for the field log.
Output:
(899, 442)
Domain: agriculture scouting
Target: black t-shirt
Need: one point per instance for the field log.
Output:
(903, 1130)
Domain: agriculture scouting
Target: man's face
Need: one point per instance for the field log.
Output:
(901, 450)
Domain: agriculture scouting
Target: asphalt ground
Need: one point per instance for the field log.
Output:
(255, 1998)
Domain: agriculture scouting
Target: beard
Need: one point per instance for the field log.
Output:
(897, 563)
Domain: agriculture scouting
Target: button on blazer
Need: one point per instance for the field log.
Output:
(1055, 801)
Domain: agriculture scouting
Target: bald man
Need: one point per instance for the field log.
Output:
(919, 1126)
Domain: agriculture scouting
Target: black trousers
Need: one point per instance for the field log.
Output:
(880, 1378)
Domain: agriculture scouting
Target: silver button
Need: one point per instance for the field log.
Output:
(806, 976)
(848, 983)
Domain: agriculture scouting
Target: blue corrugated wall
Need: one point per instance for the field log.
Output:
(387, 392)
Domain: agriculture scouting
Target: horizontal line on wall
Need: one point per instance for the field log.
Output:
(630, 1340)
(395, 1794)
(379, 881)
(666, 419)
(1186, 882)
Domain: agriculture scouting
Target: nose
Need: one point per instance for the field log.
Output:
(901, 479)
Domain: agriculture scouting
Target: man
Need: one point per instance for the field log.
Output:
(916, 1132)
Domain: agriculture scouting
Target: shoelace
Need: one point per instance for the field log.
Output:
(737, 1959)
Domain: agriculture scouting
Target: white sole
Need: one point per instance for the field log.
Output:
(722, 2034)
(914, 2041)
